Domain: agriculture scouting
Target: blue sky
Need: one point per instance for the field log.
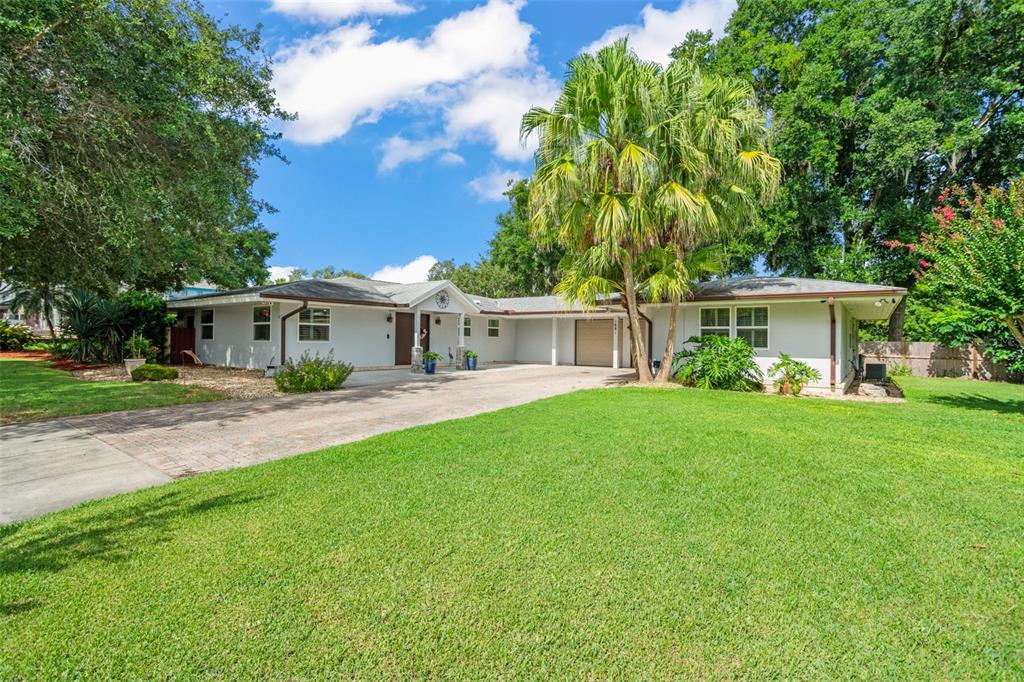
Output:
(408, 115)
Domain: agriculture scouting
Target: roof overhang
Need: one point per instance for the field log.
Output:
(333, 301)
(803, 296)
(456, 292)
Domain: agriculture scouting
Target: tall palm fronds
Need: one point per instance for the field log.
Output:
(638, 167)
(40, 300)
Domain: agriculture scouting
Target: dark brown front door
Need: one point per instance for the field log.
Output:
(182, 339)
(403, 338)
(425, 338)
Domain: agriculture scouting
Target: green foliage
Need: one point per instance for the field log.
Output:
(137, 346)
(130, 134)
(312, 373)
(483, 279)
(472, 354)
(639, 166)
(150, 372)
(92, 326)
(792, 375)
(899, 370)
(975, 257)
(432, 356)
(718, 362)
(14, 336)
(878, 104)
(146, 314)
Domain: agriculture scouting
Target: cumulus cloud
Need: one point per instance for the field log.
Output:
(415, 270)
(661, 30)
(280, 271)
(476, 72)
(492, 187)
(333, 10)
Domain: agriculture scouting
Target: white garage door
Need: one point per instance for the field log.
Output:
(594, 343)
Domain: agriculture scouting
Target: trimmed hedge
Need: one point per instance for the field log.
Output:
(150, 372)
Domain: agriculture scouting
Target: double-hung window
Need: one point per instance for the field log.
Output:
(714, 322)
(315, 324)
(206, 325)
(261, 323)
(493, 327)
(467, 326)
(752, 326)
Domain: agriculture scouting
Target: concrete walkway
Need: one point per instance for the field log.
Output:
(55, 464)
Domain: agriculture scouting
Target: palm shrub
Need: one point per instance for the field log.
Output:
(92, 325)
(312, 373)
(792, 375)
(718, 362)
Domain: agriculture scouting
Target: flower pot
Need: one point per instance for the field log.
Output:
(470, 363)
(130, 364)
(429, 366)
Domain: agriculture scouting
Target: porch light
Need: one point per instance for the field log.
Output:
(389, 318)
(437, 320)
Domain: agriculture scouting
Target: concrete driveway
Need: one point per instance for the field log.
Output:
(50, 465)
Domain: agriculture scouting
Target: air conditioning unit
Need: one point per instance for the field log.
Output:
(874, 371)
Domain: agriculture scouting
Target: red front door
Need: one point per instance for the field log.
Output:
(182, 339)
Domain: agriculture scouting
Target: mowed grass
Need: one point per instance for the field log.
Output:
(602, 534)
(32, 389)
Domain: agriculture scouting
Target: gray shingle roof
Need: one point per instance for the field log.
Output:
(785, 286)
(317, 289)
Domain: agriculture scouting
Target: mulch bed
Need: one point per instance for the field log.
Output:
(24, 355)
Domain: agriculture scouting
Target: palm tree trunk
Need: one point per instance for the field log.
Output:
(665, 373)
(635, 334)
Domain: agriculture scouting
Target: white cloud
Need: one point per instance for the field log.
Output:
(661, 30)
(280, 271)
(476, 72)
(492, 187)
(333, 10)
(415, 270)
(451, 159)
(341, 77)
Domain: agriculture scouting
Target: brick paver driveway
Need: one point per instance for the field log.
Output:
(187, 439)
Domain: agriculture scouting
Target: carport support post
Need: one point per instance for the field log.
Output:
(460, 351)
(615, 343)
(417, 349)
(832, 343)
(554, 341)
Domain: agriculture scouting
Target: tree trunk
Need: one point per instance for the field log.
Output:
(635, 332)
(896, 320)
(665, 373)
(1016, 328)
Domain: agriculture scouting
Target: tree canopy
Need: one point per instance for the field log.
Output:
(877, 105)
(130, 131)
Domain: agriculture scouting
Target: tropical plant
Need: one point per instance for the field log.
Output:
(91, 325)
(150, 372)
(147, 314)
(792, 375)
(137, 345)
(14, 336)
(637, 167)
(312, 373)
(472, 354)
(39, 300)
(432, 356)
(717, 362)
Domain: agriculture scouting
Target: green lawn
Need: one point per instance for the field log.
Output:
(31, 389)
(603, 534)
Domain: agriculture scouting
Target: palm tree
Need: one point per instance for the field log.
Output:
(40, 300)
(639, 166)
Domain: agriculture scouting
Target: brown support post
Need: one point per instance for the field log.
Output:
(832, 342)
(284, 318)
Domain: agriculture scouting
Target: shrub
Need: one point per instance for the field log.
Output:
(472, 354)
(899, 370)
(14, 336)
(149, 372)
(312, 373)
(717, 362)
(431, 355)
(791, 375)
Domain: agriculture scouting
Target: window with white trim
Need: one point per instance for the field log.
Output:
(206, 325)
(714, 322)
(493, 328)
(261, 323)
(467, 326)
(752, 326)
(315, 324)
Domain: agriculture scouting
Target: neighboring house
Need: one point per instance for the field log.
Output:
(374, 324)
(12, 314)
(197, 289)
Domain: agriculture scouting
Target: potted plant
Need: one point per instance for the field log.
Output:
(791, 375)
(135, 349)
(471, 356)
(430, 359)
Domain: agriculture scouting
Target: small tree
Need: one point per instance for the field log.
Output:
(976, 254)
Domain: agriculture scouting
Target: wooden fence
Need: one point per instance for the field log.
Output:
(928, 359)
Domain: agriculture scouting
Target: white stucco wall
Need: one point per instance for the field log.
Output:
(493, 349)
(800, 329)
(533, 340)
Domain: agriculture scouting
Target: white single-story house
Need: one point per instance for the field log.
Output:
(374, 324)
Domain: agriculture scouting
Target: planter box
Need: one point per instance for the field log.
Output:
(131, 364)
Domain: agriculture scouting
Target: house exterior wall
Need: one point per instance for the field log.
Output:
(800, 329)
(493, 349)
(232, 344)
(533, 340)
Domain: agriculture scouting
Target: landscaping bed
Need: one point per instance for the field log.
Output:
(240, 384)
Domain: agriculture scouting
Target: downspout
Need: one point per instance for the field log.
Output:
(832, 342)
(284, 318)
